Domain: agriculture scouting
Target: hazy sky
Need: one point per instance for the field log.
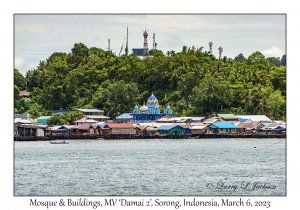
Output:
(37, 36)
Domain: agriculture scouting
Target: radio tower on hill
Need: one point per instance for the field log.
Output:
(126, 49)
(145, 50)
(154, 44)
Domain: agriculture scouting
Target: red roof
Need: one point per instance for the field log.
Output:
(119, 125)
(84, 126)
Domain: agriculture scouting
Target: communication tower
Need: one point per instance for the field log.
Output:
(145, 50)
(154, 44)
(220, 52)
(108, 45)
(126, 49)
(210, 47)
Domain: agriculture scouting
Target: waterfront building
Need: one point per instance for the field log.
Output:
(120, 129)
(223, 127)
(147, 113)
(94, 114)
(253, 118)
(24, 94)
(43, 120)
(170, 129)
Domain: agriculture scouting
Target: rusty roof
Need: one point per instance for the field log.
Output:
(183, 125)
(246, 125)
(119, 125)
(84, 126)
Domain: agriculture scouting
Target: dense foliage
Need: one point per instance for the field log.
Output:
(192, 82)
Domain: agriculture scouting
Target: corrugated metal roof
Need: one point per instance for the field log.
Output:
(119, 125)
(84, 126)
(226, 115)
(164, 119)
(102, 125)
(73, 127)
(90, 110)
(43, 117)
(246, 125)
(86, 120)
(199, 127)
(197, 118)
(211, 120)
(167, 127)
(196, 123)
(96, 117)
(23, 121)
(254, 117)
(125, 116)
(154, 124)
(225, 125)
(95, 126)
(271, 125)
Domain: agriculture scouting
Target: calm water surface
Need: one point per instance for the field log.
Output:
(190, 167)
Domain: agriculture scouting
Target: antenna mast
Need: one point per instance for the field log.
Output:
(145, 51)
(126, 49)
(154, 44)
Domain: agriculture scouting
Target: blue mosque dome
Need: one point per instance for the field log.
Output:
(152, 101)
(152, 98)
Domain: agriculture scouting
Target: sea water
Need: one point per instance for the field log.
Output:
(151, 167)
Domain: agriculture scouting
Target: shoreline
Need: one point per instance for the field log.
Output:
(116, 137)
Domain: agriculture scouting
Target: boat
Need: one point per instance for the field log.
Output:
(194, 137)
(58, 142)
(100, 138)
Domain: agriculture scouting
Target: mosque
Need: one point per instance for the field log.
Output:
(146, 113)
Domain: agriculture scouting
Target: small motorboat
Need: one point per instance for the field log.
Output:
(58, 142)
(100, 138)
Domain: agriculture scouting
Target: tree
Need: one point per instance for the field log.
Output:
(257, 58)
(274, 61)
(283, 60)
(240, 58)
(19, 80)
(192, 82)
(79, 55)
(212, 94)
(116, 98)
(65, 118)
(16, 99)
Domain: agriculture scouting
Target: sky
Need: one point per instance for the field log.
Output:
(37, 36)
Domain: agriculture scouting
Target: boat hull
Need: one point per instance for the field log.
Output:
(51, 142)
